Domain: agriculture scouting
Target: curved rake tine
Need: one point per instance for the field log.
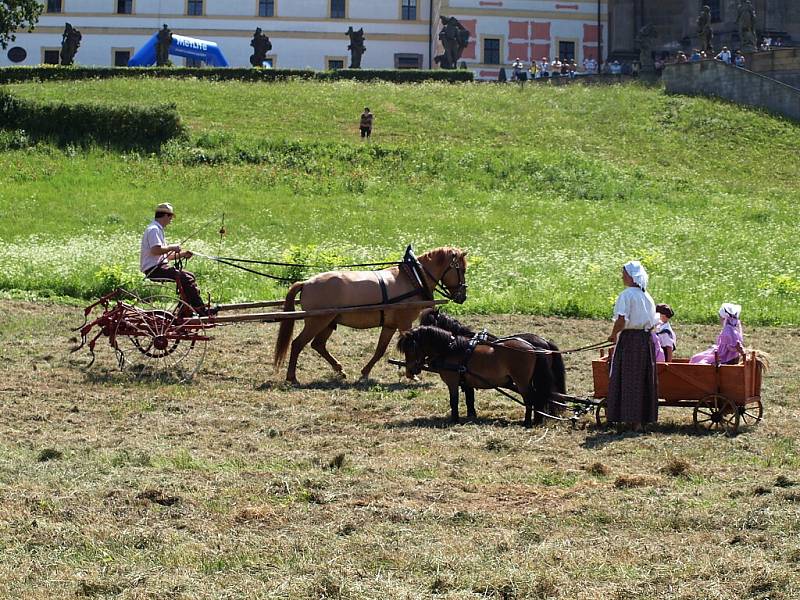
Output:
(81, 326)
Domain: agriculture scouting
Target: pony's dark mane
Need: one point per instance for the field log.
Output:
(433, 340)
(435, 318)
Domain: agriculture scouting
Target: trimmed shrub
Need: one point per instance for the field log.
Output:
(120, 127)
(57, 73)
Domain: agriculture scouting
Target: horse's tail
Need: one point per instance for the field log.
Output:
(287, 327)
(543, 383)
(559, 373)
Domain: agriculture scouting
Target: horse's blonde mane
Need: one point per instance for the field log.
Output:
(438, 253)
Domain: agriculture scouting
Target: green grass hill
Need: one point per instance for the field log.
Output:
(550, 189)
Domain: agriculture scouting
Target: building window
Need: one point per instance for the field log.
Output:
(566, 50)
(408, 61)
(409, 11)
(124, 7)
(53, 6)
(716, 10)
(337, 9)
(334, 64)
(266, 8)
(51, 57)
(491, 51)
(121, 58)
(194, 8)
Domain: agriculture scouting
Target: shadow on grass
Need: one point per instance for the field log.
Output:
(369, 385)
(134, 378)
(445, 422)
(604, 436)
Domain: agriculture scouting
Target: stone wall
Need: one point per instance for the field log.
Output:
(781, 64)
(742, 86)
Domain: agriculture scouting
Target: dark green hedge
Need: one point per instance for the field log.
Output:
(56, 73)
(119, 127)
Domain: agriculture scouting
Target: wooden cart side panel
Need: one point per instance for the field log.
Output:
(600, 376)
(682, 381)
(733, 382)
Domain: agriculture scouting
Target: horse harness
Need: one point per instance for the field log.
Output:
(415, 272)
(462, 368)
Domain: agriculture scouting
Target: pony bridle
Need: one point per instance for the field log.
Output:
(459, 296)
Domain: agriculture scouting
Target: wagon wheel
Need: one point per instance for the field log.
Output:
(600, 414)
(153, 343)
(751, 412)
(715, 412)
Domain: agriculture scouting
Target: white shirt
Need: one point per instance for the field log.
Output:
(153, 236)
(637, 307)
(666, 336)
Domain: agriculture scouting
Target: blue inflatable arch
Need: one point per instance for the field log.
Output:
(181, 45)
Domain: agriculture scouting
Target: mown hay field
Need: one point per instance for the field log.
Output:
(550, 190)
(236, 486)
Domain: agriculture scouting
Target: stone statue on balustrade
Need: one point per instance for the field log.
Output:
(746, 19)
(70, 41)
(455, 38)
(356, 47)
(646, 39)
(704, 31)
(261, 45)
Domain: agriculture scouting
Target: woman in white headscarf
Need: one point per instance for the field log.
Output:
(633, 387)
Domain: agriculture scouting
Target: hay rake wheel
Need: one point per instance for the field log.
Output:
(153, 342)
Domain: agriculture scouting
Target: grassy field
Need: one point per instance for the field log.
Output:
(550, 190)
(238, 487)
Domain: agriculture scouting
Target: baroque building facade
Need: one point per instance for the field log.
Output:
(675, 22)
(311, 33)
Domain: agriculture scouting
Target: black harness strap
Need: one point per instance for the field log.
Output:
(384, 295)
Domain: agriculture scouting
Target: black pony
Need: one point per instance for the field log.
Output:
(509, 363)
(432, 316)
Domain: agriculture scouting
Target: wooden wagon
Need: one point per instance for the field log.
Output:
(722, 397)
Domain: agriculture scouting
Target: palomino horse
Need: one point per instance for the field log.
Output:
(443, 267)
(460, 361)
(433, 316)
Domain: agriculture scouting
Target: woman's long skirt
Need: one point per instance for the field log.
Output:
(633, 385)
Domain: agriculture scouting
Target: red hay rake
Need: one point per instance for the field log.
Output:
(151, 336)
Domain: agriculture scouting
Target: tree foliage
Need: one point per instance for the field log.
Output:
(17, 14)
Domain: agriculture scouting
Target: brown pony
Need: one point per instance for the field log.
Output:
(340, 289)
(510, 363)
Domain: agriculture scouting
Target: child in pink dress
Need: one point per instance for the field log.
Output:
(730, 342)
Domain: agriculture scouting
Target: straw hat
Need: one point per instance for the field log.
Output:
(165, 207)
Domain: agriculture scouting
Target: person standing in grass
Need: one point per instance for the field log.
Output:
(633, 386)
(367, 118)
(155, 254)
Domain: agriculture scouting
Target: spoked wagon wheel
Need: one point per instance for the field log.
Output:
(600, 415)
(751, 412)
(152, 341)
(716, 413)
